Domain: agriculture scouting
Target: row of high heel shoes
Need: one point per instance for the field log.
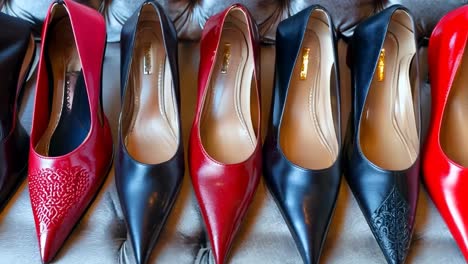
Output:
(71, 144)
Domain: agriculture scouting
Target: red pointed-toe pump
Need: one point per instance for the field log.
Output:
(446, 153)
(71, 142)
(225, 151)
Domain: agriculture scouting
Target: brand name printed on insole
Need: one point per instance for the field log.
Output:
(68, 94)
(70, 83)
(305, 63)
(226, 57)
(147, 63)
(381, 66)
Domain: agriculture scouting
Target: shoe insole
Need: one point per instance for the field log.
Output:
(454, 127)
(70, 118)
(226, 128)
(153, 134)
(307, 131)
(388, 130)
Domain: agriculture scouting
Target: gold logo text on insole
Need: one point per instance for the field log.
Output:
(381, 66)
(305, 63)
(147, 63)
(226, 57)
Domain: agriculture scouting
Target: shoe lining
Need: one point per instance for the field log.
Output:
(454, 127)
(307, 131)
(388, 133)
(151, 130)
(226, 128)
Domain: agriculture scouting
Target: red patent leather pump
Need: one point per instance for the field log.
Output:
(225, 148)
(71, 142)
(446, 153)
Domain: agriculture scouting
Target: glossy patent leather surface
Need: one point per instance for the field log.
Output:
(445, 179)
(306, 197)
(15, 41)
(147, 191)
(224, 191)
(387, 198)
(62, 187)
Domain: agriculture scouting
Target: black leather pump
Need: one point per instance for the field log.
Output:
(150, 159)
(17, 50)
(302, 150)
(382, 146)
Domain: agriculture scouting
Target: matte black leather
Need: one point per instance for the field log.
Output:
(387, 198)
(147, 191)
(306, 197)
(15, 39)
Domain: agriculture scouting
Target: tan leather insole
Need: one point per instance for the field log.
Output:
(226, 126)
(454, 124)
(65, 64)
(307, 131)
(152, 137)
(388, 132)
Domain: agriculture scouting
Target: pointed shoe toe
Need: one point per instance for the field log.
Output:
(312, 250)
(50, 243)
(309, 226)
(389, 207)
(307, 201)
(223, 216)
(142, 247)
(310, 241)
(59, 197)
(146, 212)
(220, 247)
(143, 236)
(391, 226)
